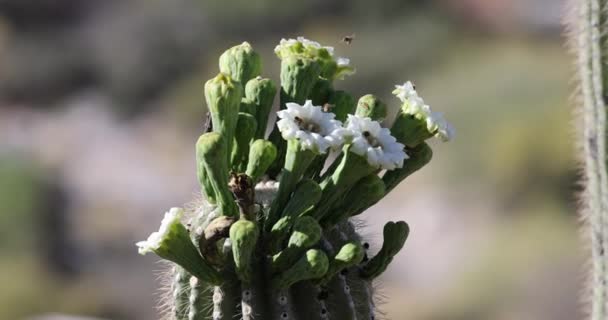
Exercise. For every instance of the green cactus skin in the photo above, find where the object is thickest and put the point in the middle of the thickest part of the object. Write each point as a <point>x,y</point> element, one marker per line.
<point>256,248</point>
<point>590,30</point>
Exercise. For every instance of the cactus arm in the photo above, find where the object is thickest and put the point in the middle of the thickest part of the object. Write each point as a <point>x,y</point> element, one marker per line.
<point>592,65</point>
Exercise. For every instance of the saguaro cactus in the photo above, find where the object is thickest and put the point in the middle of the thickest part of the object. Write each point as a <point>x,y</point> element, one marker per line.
<point>590,35</point>
<point>258,248</point>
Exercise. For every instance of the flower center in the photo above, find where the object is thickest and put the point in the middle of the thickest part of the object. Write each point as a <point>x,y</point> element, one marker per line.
<point>307,126</point>
<point>371,139</point>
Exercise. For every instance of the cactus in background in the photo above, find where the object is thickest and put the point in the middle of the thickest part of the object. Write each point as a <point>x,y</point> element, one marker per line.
<point>589,30</point>
<point>258,249</point>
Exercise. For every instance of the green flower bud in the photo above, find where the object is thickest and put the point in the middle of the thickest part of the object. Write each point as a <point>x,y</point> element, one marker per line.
<point>370,106</point>
<point>245,130</point>
<point>172,242</point>
<point>244,236</point>
<point>279,233</point>
<point>351,254</point>
<point>223,96</point>
<point>298,76</point>
<point>365,193</point>
<point>341,104</point>
<point>241,62</point>
<point>419,156</point>
<point>395,234</point>
<point>261,93</point>
<point>211,151</point>
<point>312,265</point>
<point>321,92</point>
<point>306,233</point>
<point>262,154</point>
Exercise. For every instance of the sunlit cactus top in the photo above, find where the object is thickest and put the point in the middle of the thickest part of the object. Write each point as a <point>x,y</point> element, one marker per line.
<point>327,159</point>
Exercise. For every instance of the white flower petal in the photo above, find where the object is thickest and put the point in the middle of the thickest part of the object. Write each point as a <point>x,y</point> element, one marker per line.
<point>296,120</point>
<point>385,152</point>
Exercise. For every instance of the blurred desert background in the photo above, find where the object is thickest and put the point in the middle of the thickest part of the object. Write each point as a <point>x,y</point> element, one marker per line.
<point>101,104</point>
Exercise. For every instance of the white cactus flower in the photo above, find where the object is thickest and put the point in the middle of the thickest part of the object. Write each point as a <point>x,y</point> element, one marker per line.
<point>375,143</point>
<point>413,104</point>
<point>406,91</point>
<point>316,130</point>
<point>153,242</point>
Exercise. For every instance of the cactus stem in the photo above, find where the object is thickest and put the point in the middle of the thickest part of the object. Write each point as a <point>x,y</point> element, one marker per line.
<point>592,61</point>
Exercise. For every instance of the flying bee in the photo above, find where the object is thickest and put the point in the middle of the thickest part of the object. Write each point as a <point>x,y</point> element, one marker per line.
<point>348,39</point>
<point>327,107</point>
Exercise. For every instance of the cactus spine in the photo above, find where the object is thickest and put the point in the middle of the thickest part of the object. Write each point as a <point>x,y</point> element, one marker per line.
<point>257,249</point>
<point>590,30</point>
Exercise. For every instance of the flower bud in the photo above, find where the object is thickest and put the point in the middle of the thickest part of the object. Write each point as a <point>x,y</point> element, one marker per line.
<point>244,236</point>
<point>260,92</point>
<point>223,96</point>
<point>306,233</point>
<point>245,130</point>
<point>241,62</point>
<point>312,265</point>
<point>262,154</point>
<point>298,76</point>
<point>351,254</point>
<point>369,106</point>
<point>211,153</point>
<point>395,234</point>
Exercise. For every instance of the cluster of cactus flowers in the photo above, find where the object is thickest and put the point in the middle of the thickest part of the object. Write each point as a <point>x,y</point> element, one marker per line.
<point>273,237</point>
